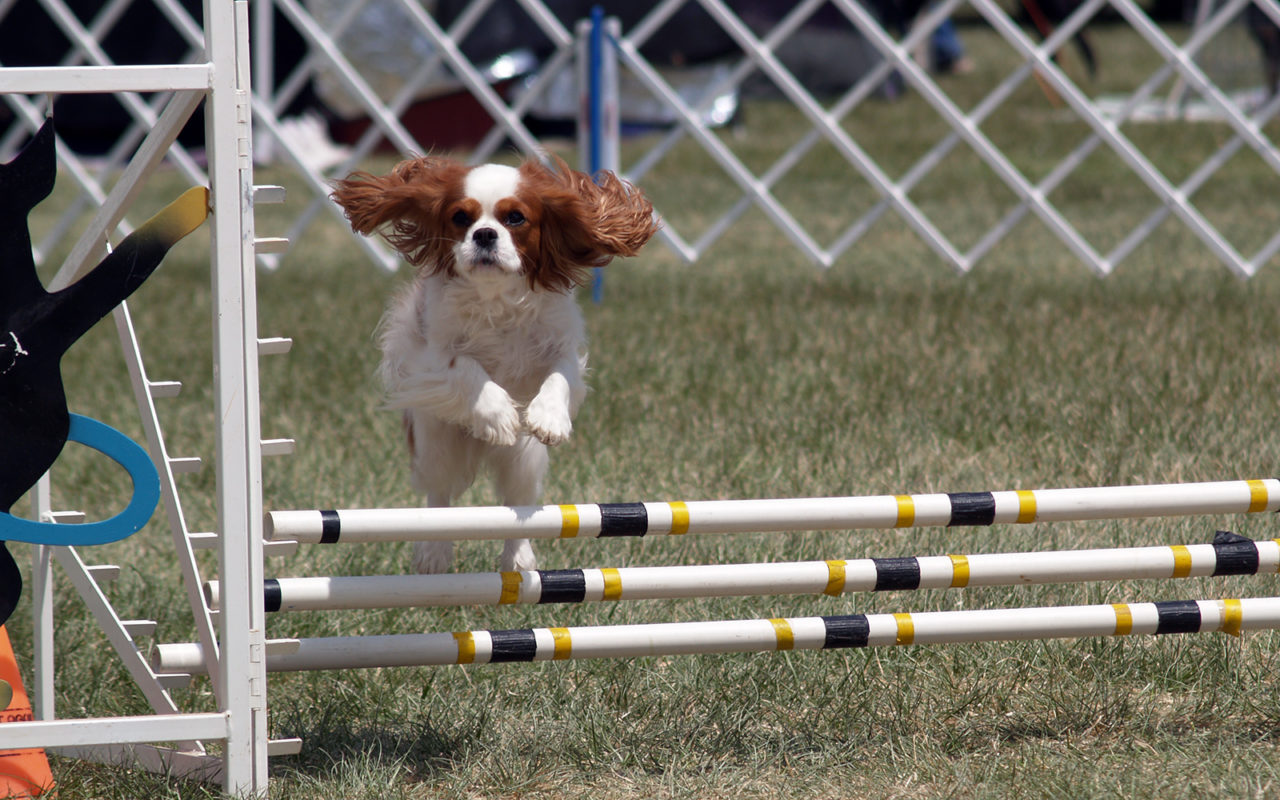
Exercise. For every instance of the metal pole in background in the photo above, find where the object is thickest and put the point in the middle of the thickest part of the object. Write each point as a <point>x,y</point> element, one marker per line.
<point>599,136</point>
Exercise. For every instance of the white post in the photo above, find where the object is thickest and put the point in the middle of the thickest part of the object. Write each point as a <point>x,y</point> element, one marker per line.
<point>242,678</point>
<point>264,67</point>
<point>611,130</point>
<point>582,75</point>
<point>42,610</point>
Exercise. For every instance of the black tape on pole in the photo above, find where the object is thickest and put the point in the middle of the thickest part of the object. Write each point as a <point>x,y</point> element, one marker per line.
<point>562,586</point>
<point>972,508</point>
<point>1236,555</point>
<point>852,630</point>
<point>517,645</point>
<point>1178,616</point>
<point>623,519</point>
<point>272,598</point>
<point>897,574</point>
<point>330,526</point>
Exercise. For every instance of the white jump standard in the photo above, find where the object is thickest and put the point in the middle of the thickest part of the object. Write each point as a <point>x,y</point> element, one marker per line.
<point>600,520</point>
<point>1232,616</point>
<point>1229,554</point>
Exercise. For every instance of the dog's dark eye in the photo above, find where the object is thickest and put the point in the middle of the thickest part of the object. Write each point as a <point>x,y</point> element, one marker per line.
<point>515,218</point>
<point>462,219</point>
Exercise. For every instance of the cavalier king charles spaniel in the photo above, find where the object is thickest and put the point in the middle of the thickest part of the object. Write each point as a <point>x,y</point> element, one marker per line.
<point>485,350</point>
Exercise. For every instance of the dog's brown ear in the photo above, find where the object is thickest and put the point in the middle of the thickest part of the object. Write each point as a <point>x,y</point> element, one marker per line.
<point>406,205</point>
<point>585,223</point>
<point>624,219</point>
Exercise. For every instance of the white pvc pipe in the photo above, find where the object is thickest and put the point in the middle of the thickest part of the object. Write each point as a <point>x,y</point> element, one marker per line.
<point>741,516</point>
<point>832,577</point>
<point>743,636</point>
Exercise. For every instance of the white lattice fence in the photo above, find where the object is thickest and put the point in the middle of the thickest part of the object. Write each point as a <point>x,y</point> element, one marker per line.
<point>972,118</point>
<point>966,128</point>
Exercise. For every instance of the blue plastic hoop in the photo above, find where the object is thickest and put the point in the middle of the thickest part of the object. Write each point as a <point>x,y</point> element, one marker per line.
<point>146,493</point>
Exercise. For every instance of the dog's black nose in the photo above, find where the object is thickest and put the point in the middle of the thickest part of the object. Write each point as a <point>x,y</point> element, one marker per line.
<point>485,237</point>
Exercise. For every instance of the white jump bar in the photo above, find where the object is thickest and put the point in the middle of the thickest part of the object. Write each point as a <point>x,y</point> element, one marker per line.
<point>1232,616</point>
<point>1228,555</point>
<point>742,516</point>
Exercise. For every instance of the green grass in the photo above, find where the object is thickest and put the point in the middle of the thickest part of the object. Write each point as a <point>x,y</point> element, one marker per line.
<point>753,374</point>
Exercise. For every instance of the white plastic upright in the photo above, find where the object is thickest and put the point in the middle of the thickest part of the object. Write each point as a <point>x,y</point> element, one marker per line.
<point>242,674</point>
<point>221,79</point>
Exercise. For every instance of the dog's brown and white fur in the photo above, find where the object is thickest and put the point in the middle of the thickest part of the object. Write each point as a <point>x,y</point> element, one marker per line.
<point>485,351</point>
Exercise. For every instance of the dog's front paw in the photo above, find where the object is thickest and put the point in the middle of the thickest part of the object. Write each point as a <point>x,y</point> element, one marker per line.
<point>432,558</point>
<point>548,420</point>
<point>494,418</point>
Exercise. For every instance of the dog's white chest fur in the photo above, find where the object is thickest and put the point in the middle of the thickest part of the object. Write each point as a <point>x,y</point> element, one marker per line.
<point>518,336</point>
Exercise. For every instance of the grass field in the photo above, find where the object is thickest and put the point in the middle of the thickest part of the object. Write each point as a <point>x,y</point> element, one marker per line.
<point>753,374</point>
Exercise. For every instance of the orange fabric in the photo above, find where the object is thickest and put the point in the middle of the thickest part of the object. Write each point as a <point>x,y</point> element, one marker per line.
<point>23,773</point>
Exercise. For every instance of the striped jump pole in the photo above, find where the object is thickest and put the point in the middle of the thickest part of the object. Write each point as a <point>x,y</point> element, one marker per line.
<point>1232,616</point>
<point>760,516</point>
<point>1229,554</point>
